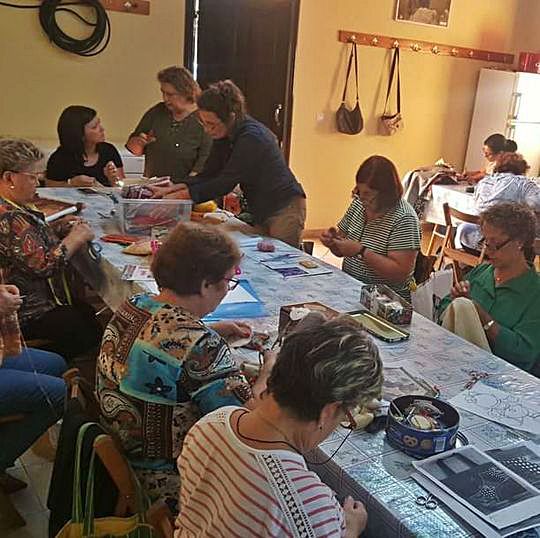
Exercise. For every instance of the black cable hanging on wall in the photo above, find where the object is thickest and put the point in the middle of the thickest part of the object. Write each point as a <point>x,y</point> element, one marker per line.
<point>89,46</point>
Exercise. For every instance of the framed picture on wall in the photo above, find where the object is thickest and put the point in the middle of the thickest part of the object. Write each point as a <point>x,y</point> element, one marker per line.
<point>428,12</point>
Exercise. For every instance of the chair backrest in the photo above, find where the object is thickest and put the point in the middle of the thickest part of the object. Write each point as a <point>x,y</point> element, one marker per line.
<point>449,251</point>
<point>80,389</point>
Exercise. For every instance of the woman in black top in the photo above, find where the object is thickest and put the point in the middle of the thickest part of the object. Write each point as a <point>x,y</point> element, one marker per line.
<point>245,153</point>
<point>83,157</point>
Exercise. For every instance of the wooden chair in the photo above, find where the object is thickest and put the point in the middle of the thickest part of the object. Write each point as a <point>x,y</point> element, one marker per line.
<point>449,251</point>
<point>9,515</point>
<point>158,515</point>
<point>436,240</point>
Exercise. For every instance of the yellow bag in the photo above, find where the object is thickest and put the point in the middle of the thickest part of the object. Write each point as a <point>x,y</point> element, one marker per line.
<point>83,524</point>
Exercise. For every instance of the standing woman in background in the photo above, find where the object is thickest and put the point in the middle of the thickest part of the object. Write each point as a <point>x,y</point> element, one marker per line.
<point>83,157</point>
<point>494,145</point>
<point>245,153</point>
<point>170,135</point>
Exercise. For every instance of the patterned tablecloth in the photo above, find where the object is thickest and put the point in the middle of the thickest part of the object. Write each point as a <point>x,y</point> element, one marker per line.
<point>366,466</point>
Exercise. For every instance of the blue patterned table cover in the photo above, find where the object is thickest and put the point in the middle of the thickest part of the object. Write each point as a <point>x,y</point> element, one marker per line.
<point>366,466</point>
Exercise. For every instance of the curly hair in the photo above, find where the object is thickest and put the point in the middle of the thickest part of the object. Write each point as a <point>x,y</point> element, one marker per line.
<point>18,155</point>
<point>517,221</point>
<point>225,100</point>
<point>182,81</point>
<point>511,162</point>
<point>192,254</point>
<point>327,362</point>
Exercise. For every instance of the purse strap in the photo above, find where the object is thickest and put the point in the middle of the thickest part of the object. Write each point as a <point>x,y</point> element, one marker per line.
<point>353,53</point>
<point>395,66</point>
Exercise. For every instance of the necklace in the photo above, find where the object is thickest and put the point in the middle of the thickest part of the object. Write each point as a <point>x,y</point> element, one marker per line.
<point>284,441</point>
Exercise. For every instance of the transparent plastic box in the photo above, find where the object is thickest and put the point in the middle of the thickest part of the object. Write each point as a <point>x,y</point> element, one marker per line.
<point>138,217</point>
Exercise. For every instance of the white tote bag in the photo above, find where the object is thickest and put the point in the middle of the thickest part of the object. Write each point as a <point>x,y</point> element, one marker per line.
<point>428,295</point>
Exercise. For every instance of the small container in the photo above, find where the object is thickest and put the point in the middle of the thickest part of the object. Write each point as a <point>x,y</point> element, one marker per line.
<point>386,303</point>
<point>422,443</point>
<point>138,217</point>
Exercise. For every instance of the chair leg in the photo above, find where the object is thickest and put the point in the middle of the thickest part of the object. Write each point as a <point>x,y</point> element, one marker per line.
<point>9,516</point>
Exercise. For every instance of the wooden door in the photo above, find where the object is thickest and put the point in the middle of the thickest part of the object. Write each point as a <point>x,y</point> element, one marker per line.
<point>253,43</point>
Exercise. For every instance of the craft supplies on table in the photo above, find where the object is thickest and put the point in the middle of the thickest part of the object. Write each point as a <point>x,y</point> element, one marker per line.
<point>482,486</point>
<point>297,267</point>
<point>422,426</point>
<point>386,303</point>
<point>291,315</point>
<point>379,327</point>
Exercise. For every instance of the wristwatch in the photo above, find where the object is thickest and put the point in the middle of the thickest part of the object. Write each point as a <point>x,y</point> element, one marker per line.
<point>488,325</point>
<point>362,250</point>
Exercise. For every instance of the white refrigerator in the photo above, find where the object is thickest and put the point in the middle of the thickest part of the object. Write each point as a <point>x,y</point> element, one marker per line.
<point>507,103</point>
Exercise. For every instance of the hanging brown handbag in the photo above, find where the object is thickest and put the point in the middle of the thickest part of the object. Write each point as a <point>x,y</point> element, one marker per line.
<point>390,124</point>
<point>350,121</point>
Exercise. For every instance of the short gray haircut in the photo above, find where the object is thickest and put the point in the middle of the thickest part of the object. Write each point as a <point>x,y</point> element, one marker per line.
<point>328,362</point>
<point>17,155</point>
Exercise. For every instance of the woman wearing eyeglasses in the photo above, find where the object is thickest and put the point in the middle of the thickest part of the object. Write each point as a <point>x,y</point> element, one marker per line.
<point>170,135</point>
<point>35,256</point>
<point>161,367</point>
<point>498,306</point>
<point>246,471</point>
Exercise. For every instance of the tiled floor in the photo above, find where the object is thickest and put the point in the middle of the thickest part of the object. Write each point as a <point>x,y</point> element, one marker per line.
<point>31,502</point>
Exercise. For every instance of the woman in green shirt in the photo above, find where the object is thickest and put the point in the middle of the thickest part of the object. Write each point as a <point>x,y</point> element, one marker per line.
<point>506,291</point>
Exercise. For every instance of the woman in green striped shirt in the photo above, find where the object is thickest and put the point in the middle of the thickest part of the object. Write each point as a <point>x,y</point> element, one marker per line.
<point>379,236</point>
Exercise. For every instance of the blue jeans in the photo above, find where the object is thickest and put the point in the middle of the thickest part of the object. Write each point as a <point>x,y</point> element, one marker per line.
<point>30,384</point>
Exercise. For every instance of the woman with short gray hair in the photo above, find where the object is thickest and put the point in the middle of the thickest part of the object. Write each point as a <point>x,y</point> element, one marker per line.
<point>244,471</point>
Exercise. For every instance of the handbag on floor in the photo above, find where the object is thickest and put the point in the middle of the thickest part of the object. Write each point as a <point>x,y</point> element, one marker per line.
<point>84,525</point>
<point>390,124</point>
<point>350,121</point>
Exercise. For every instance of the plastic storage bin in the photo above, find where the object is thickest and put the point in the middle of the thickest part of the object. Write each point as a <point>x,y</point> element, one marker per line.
<point>138,217</point>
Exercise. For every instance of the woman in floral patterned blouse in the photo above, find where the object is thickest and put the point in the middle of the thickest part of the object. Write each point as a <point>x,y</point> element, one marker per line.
<point>161,368</point>
<point>34,256</point>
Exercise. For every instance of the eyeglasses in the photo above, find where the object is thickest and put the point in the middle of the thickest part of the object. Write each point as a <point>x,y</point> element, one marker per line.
<point>232,283</point>
<point>36,176</point>
<point>495,248</point>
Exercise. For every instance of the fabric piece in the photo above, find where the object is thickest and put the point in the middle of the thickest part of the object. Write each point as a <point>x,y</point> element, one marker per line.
<point>24,381</point>
<point>461,318</point>
<point>31,259</point>
<point>505,187</point>
<point>397,229</point>
<point>515,306</point>
<point>158,370</point>
<point>251,158</point>
<point>181,147</point>
<point>10,336</point>
<point>63,164</point>
<point>231,489</point>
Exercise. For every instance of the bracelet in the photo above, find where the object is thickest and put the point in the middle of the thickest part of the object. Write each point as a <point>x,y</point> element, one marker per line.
<point>362,251</point>
<point>488,325</point>
<point>69,182</point>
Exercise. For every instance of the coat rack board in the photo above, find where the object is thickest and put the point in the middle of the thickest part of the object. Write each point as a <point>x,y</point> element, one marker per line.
<point>414,45</point>
<point>138,7</point>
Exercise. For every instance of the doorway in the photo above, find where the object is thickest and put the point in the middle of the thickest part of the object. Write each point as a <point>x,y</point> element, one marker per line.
<point>253,43</point>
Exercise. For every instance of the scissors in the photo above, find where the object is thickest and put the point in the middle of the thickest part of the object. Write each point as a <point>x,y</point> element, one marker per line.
<point>429,502</point>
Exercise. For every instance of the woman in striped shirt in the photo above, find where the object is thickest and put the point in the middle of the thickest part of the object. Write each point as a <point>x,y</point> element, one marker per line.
<point>379,236</point>
<point>244,473</point>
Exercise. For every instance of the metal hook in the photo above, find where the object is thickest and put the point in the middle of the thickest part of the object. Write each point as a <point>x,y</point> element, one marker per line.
<point>374,41</point>
<point>352,38</point>
<point>471,53</point>
<point>416,47</point>
<point>395,44</point>
<point>454,52</point>
<point>435,50</point>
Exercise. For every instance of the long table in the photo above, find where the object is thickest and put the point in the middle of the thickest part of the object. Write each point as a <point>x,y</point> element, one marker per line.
<point>366,466</point>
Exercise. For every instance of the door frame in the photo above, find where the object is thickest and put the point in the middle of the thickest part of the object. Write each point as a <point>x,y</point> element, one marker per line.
<point>189,48</point>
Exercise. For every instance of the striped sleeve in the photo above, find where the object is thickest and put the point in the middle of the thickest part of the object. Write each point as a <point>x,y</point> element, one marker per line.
<point>405,234</point>
<point>345,223</point>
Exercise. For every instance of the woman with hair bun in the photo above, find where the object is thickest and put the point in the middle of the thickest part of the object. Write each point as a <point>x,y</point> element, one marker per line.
<point>245,153</point>
<point>494,145</point>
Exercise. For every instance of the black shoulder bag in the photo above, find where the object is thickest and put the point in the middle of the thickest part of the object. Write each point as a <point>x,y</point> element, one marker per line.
<point>350,121</point>
<point>390,124</point>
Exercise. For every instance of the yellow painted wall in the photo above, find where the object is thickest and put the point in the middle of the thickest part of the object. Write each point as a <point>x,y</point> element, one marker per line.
<point>38,80</point>
<point>438,92</point>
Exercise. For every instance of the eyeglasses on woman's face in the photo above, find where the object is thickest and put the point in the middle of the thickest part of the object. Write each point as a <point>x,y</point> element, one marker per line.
<point>493,246</point>
<point>36,177</point>
<point>232,283</point>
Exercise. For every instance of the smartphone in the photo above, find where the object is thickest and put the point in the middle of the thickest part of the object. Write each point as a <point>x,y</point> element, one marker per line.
<point>379,327</point>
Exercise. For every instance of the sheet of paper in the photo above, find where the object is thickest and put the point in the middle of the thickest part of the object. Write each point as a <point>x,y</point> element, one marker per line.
<point>238,295</point>
<point>291,268</point>
<point>484,486</point>
<point>499,406</point>
<point>137,273</point>
<point>471,518</point>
